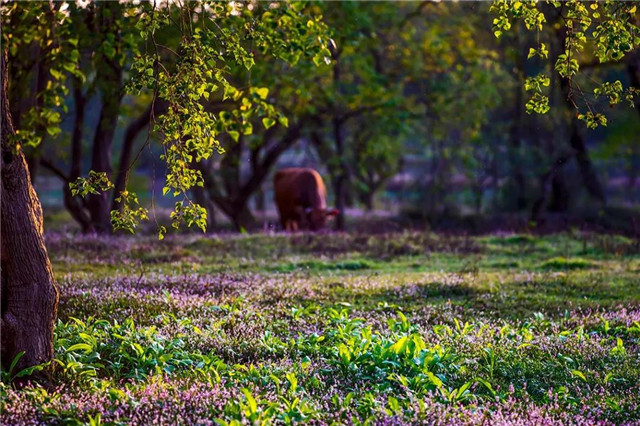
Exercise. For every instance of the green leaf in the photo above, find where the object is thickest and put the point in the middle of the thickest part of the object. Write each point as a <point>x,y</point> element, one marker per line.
<point>262,92</point>
<point>80,346</point>
<point>109,50</point>
<point>56,74</point>
<point>268,122</point>
<point>487,385</point>
<point>434,379</point>
<point>15,361</point>
<point>251,401</point>
<point>400,345</point>
<point>579,374</point>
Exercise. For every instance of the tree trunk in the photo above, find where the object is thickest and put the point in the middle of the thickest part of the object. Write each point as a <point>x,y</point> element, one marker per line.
<point>75,205</point>
<point>234,206</point>
<point>587,171</point>
<point>515,155</point>
<point>478,194</point>
<point>242,217</point>
<point>370,188</point>
<point>368,200</point>
<point>339,181</point>
<point>632,173</point>
<point>540,204</point>
<point>200,197</point>
<point>98,204</point>
<point>260,203</point>
<point>633,70</point>
<point>28,289</point>
<point>560,194</point>
<point>109,77</point>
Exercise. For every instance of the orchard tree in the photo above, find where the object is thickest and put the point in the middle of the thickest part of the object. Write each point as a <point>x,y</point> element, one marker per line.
<point>212,37</point>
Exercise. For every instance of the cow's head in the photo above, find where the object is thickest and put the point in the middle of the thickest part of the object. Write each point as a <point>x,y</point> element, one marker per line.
<point>317,218</point>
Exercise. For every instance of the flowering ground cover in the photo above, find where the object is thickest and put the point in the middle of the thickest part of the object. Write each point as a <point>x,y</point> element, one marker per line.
<point>387,329</point>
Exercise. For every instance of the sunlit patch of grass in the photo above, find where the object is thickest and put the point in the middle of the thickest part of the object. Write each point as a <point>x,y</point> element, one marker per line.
<point>313,265</point>
<point>567,263</point>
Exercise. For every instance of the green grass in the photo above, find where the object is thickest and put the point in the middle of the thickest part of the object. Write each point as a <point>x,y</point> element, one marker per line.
<point>342,328</point>
<point>561,263</point>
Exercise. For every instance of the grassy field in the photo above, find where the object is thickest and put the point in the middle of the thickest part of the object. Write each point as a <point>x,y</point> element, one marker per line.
<point>336,328</point>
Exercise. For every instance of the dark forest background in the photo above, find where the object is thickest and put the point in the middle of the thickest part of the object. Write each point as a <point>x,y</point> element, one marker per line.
<point>419,120</point>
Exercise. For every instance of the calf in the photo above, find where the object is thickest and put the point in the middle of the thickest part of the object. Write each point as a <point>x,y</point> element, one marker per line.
<point>301,199</point>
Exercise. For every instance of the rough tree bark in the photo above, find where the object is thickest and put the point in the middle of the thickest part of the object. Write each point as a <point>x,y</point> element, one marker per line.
<point>28,289</point>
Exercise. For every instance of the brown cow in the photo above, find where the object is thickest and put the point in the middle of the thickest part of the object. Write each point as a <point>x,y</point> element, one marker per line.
<point>301,199</point>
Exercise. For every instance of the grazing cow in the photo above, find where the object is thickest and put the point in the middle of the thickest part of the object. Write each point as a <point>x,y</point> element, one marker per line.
<point>301,199</point>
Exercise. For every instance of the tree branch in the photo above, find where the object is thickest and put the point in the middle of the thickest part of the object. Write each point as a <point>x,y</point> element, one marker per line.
<point>54,169</point>
<point>292,135</point>
<point>133,130</point>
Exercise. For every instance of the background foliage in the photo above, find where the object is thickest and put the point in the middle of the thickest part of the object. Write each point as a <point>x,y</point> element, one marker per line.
<point>423,107</point>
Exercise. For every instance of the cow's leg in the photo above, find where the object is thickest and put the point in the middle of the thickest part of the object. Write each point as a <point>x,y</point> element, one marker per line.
<point>294,225</point>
